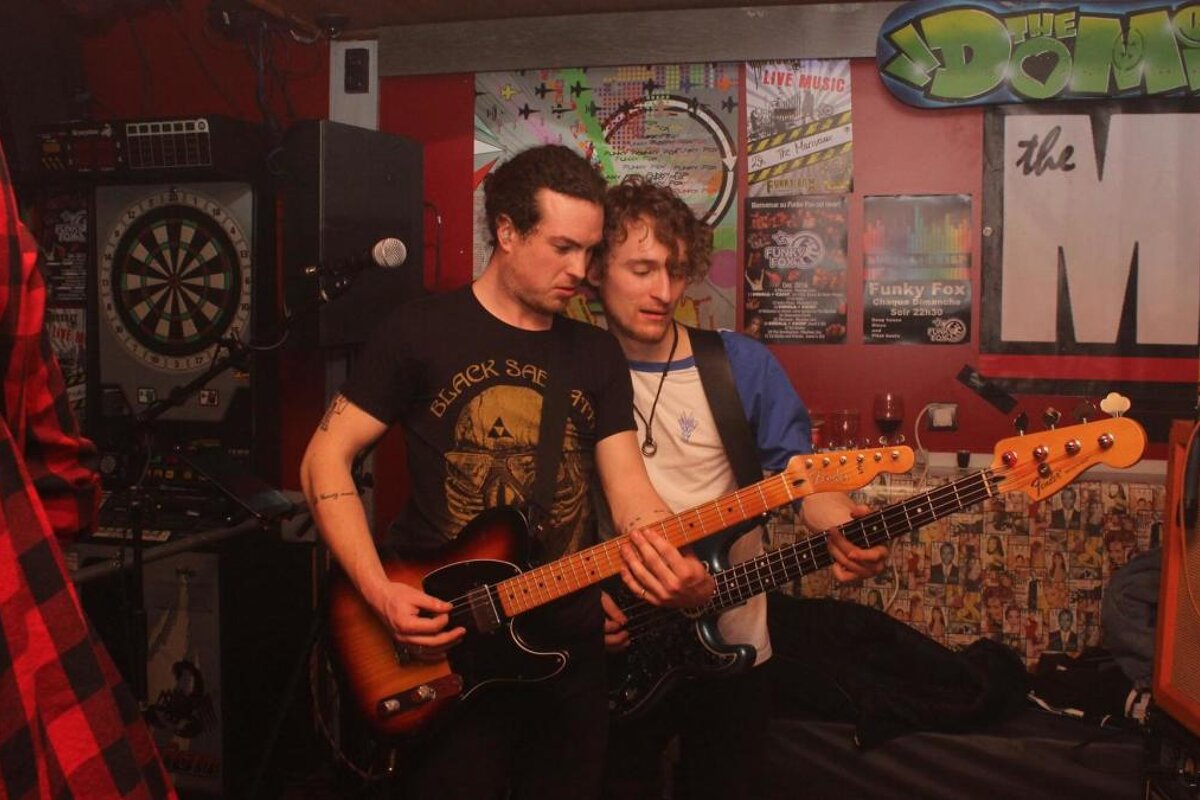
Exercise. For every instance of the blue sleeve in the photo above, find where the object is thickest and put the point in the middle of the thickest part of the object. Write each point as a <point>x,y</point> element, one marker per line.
<point>777,416</point>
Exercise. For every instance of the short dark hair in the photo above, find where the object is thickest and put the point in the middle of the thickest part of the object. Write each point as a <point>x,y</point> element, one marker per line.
<point>673,222</point>
<point>512,189</point>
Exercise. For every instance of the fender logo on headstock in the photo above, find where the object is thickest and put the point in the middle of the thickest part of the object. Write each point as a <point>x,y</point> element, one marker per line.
<point>1050,482</point>
<point>841,476</point>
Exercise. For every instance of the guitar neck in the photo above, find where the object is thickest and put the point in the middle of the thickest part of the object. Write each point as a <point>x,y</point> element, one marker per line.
<point>772,569</point>
<point>542,585</point>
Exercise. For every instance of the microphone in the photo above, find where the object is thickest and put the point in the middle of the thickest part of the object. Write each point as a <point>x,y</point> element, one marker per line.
<point>333,281</point>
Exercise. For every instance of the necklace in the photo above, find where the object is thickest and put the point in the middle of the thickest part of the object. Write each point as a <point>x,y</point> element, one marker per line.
<point>649,447</point>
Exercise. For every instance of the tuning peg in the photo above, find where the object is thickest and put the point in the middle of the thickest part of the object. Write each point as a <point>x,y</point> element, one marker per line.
<point>1051,416</point>
<point>1115,404</point>
<point>1021,423</point>
<point>1086,411</point>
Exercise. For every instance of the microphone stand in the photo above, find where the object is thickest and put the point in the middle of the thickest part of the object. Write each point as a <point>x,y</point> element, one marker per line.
<point>237,355</point>
<point>139,498</point>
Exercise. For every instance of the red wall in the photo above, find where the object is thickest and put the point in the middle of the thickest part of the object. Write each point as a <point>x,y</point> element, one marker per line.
<point>897,150</point>
<point>901,150</point>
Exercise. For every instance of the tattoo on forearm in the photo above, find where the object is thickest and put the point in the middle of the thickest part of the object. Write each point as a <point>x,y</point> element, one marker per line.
<point>334,496</point>
<point>336,407</point>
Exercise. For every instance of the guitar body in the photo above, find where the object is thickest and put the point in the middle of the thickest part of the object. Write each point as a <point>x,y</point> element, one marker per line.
<point>676,647</point>
<point>398,694</point>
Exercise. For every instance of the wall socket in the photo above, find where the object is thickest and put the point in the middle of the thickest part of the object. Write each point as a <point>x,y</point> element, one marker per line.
<point>943,416</point>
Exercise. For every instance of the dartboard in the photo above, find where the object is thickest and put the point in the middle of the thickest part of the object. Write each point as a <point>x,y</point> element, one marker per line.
<point>175,278</point>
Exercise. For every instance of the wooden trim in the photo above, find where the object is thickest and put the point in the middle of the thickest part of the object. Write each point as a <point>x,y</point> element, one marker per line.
<point>757,33</point>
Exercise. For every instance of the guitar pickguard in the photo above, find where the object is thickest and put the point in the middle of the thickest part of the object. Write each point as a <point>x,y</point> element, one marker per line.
<point>496,653</point>
<point>674,647</point>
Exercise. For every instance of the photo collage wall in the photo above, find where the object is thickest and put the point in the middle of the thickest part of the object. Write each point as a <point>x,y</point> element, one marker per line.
<point>1028,574</point>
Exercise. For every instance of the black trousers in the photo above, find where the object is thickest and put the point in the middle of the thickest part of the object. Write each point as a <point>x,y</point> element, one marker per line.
<point>721,725</point>
<point>536,741</point>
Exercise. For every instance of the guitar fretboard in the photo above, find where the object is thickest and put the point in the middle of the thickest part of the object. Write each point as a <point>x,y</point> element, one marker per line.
<point>774,568</point>
<point>542,585</point>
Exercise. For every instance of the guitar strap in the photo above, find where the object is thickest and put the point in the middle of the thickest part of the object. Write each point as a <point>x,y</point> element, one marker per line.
<point>712,362</point>
<point>551,429</point>
<point>717,379</point>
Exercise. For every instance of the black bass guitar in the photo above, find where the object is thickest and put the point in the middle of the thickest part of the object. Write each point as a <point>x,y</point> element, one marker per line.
<point>667,644</point>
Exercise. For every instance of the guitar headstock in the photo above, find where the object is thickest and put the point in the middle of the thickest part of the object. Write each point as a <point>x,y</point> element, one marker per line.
<point>843,470</point>
<point>1040,464</point>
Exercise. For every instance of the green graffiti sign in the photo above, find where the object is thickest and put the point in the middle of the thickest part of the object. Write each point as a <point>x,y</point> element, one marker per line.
<point>937,54</point>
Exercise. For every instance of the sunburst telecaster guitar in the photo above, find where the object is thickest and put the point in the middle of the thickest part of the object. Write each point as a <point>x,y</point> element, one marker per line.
<point>667,644</point>
<point>480,574</point>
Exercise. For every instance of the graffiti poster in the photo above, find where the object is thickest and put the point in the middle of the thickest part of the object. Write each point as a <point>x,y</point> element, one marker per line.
<point>795,277</point>
<point>674,124</point>
<point>934,54</point>
<point>917,269</point>
<point>799,136</point>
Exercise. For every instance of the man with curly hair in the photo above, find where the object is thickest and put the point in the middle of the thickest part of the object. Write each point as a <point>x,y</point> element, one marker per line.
<point>653,248</point>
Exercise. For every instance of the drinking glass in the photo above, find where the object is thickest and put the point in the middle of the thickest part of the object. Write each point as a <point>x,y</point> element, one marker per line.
<point>888,410</point>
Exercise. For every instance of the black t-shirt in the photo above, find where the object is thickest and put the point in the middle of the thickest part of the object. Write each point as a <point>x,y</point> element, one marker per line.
<point>467,388</point>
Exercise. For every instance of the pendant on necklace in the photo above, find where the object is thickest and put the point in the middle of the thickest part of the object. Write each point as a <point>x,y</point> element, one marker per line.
<point>649,448</point>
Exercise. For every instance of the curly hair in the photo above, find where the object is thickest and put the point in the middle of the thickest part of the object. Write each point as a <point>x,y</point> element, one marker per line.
<point>673,222</point>
<point>512,189</point>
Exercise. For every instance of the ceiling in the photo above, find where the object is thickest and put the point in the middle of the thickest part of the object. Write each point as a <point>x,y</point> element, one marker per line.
<point>365,15</point>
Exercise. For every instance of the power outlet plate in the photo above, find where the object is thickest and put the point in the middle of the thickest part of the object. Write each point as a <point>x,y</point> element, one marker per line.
<point>943,416</point>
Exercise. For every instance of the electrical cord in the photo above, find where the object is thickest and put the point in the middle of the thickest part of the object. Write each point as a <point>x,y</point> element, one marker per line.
<point>174,16</point>
<point>1181,519</point>
<point>922,455</point>
<point>437,263</point>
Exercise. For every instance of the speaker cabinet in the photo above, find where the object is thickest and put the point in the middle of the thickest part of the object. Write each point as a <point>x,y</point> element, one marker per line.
<point>226,628</point>
<point>343,189</point>
<point>1177,658</point>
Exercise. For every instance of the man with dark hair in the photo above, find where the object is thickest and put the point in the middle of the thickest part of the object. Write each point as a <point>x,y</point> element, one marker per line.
<point>1066,516</point>
<point>69,726</point>
<point>947,570</point>
<point>1064,640</point>
<point>465,374</point>
<point>653,248</point>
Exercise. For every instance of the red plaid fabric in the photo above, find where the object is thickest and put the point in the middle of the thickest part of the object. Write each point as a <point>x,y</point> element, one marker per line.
<point>69,726</point>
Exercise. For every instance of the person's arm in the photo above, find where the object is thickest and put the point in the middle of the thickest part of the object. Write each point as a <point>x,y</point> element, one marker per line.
<point>828,511</point>
<point>782,429</point>
<point>652,567</point>
<point>325,476</point>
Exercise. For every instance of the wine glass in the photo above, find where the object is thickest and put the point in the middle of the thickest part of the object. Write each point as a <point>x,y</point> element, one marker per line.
<point>817,430</point>
<point>843,428</point>
<point>888,409</point>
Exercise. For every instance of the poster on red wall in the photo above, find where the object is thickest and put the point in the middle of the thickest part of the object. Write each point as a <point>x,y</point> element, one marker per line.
<point>795,276</point>
<point>917,269</point>
<point>799,137</point>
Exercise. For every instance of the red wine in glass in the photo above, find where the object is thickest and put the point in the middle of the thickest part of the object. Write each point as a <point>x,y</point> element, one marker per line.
<point>888,409</point>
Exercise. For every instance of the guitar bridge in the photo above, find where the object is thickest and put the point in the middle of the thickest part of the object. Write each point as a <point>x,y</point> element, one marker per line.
<point>440,689</point>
